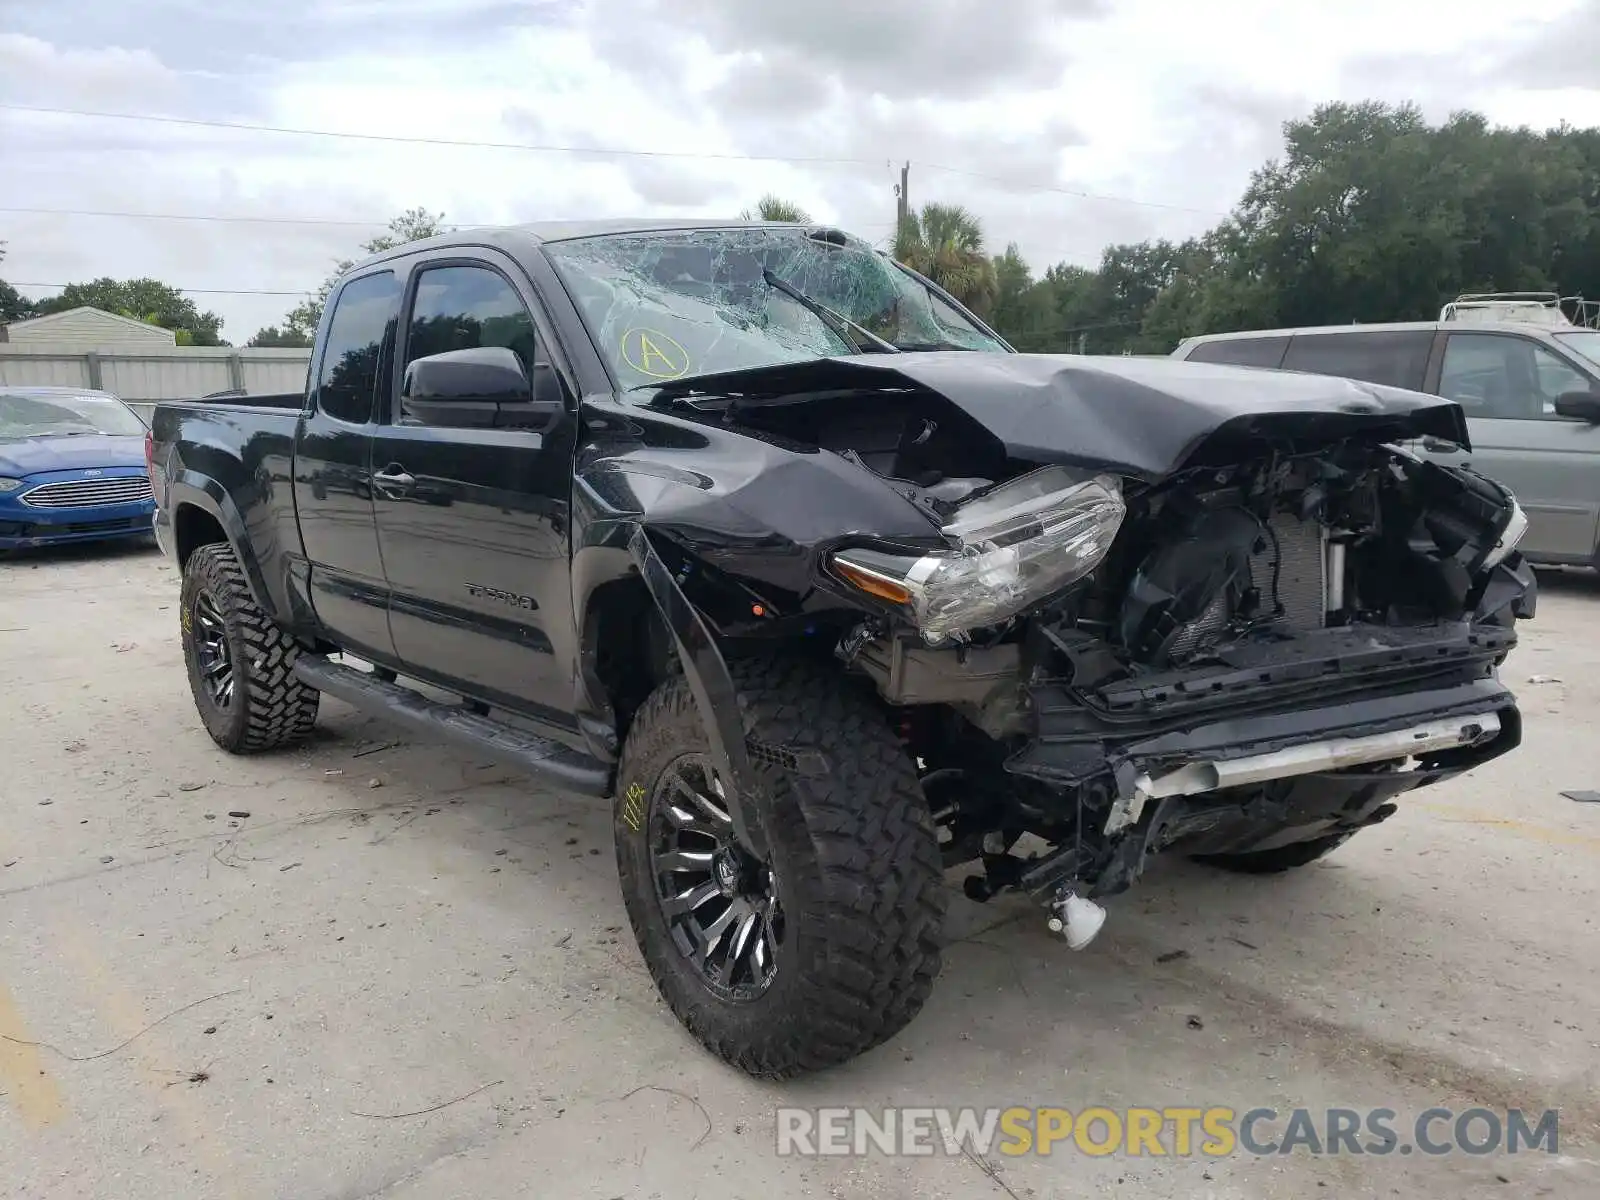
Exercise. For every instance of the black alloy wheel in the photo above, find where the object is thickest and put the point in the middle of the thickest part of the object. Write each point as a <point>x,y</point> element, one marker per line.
<point>720,903</point>
<point>211,649</point>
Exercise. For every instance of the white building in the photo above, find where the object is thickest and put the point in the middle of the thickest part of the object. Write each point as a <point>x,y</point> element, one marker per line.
<point>91,348</point>
<point>86,329</point>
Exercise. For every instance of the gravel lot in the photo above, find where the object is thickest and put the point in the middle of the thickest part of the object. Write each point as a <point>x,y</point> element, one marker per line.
<point>395,926</point>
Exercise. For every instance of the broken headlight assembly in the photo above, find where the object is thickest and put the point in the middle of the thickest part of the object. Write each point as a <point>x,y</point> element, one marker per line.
<point>1011,547</point>
<point>1516,526</point>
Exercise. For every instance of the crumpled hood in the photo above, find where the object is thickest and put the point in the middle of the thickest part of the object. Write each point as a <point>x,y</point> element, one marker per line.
<point>32,456</point>
<point>1145,417</point>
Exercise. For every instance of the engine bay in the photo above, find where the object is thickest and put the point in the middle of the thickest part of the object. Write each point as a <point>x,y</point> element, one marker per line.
<point>1349,535</point>
<point>1299,538</point>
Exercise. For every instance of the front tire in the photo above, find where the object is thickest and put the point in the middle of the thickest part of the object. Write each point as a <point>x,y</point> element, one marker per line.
<point>829,948</point>
<point>241,665</point>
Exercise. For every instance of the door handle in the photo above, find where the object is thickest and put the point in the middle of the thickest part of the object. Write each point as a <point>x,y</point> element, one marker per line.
<point>394,477</point>
<point>1439,445</point>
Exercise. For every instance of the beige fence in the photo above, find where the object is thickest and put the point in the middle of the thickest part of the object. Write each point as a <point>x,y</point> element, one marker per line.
<point>142,377</point>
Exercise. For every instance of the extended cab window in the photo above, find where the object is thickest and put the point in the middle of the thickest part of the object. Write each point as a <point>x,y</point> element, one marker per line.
<point>1241,352</point>
<point>361,316</point>
<point>1394,358</point>
<point>1503,377</point>
<point>462,308</point>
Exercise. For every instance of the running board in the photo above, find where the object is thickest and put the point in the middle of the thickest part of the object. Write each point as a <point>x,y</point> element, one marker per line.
<point>545,759</point>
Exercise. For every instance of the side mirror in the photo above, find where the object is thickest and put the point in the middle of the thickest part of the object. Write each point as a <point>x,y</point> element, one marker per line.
<point>481,388</point>
<point>1585,406</point>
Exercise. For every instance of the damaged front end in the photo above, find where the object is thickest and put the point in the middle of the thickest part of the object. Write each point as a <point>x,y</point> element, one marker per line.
<point>1113,607</point>
<point>1228,662</point>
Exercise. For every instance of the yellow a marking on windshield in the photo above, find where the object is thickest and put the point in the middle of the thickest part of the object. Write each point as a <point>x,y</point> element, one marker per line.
<point>653,353</point>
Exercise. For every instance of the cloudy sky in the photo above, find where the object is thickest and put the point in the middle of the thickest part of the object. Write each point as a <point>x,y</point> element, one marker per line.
<point>1065,124</point>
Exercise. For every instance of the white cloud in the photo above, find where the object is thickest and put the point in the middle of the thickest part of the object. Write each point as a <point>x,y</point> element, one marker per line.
<point>1172,104</point>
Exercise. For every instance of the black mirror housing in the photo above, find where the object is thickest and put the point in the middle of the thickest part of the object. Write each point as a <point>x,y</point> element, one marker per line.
<point>1585,406</point>
<point>484,387</point>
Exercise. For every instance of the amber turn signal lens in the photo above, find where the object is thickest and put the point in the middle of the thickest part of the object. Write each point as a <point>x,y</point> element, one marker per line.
<point>872,583</point>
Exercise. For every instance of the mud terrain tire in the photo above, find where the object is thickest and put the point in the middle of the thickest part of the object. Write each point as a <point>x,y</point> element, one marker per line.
<point>267,706</point>
<point>859,892</point>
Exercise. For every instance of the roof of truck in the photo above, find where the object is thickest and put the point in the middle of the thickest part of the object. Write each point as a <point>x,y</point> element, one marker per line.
<point>563,231</point>
<point>544,232</point>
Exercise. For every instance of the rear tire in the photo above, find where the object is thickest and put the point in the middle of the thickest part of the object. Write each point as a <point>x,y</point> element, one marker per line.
<point>843,948</point>
<point>241,665</point>
<point>1276,861</point>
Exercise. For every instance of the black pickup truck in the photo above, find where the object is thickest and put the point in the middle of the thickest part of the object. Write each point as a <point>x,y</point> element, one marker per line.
<point>770,541</point>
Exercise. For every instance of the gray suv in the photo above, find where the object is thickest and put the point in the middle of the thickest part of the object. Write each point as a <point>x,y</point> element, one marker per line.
<point>1528,379</point>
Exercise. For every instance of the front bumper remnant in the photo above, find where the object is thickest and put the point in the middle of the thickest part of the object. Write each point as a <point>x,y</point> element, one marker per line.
<point>1329,754</point>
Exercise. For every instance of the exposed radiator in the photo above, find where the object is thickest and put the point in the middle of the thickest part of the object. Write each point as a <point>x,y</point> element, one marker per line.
<point>1302,575</point>
<point>1302,583</point>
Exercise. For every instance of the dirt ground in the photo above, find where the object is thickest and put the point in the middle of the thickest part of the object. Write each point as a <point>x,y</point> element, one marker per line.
<point>370,968</point>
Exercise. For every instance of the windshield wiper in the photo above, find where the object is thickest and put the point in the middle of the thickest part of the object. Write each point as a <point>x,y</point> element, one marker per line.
<point>839,323</point>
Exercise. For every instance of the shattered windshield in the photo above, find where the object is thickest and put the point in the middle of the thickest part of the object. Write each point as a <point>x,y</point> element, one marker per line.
<point>679,303</point>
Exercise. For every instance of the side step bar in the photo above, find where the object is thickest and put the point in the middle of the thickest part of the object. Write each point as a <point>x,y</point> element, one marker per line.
<point>547,760</point>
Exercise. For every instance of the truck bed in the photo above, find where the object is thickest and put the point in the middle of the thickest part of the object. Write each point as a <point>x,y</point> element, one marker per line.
<point>234,459</point>
<point>233,399</point>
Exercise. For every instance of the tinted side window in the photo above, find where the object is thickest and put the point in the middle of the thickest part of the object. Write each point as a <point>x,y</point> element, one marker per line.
<point>1397,359</point>
<point>362,314</point>
<point>462,308</point>
<point>1241,352</point>
<point>1505,378</point>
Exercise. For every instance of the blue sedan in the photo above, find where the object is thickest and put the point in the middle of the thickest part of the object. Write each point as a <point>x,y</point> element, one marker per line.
<point>72,468</point>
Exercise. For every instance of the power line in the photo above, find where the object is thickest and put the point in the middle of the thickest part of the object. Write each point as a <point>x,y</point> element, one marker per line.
<point>193,291</point>
<point>146,216</point>
<point>412,139</point>
<point>249,220</point>
<point>604,151</point>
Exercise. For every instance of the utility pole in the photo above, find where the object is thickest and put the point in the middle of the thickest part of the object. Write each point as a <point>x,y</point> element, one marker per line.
<point>903,194</point>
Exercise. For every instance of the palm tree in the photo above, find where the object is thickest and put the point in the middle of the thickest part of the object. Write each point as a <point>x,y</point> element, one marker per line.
<point>945,243</point>
<point>776,208</point>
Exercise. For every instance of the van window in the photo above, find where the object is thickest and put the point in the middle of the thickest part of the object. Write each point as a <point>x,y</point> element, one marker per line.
<point>1241,352</point>
<point>1394,358</point>
<point>1505,377</point>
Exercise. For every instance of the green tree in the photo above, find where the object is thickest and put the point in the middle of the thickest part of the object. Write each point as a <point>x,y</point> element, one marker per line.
<point>1371,214</point>
<point>410,226</point>
<point>272,336</point>
<point>147,300</point>
<point>945,243</point>
<point>14,306</point>
<point>776,208</point>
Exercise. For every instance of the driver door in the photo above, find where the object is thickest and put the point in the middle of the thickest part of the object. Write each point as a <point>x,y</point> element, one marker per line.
<point>472,521</point>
